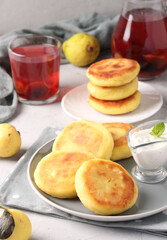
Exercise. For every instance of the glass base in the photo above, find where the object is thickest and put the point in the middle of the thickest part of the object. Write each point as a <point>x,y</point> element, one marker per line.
<point>146,78</point>
<point>39,102</point>
<point>149,176</point>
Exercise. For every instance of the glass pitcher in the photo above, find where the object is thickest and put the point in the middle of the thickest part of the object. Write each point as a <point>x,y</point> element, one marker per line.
<point>141,34</point>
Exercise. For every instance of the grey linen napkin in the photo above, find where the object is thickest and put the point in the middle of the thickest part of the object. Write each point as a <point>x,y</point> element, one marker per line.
<point>16,191</point>
<point>8,97</point>
<point>93,23</point>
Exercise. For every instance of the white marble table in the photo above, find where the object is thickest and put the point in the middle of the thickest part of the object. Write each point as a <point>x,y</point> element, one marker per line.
<point>30,121</point>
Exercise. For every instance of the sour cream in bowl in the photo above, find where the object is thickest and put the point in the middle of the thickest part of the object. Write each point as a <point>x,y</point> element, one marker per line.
<point>148,144</point>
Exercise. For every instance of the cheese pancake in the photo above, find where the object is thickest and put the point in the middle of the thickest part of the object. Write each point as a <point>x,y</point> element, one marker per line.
<point>113,93</point>
<point>55,173</point>
<point>105,187</point>
<point>113,72</point>
<point>85,136</point>
<point>115,107</point>
<point>119,130</point>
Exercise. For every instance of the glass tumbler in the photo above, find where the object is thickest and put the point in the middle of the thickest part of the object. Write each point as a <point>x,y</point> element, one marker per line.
<point>141,34</point>
<point>35,62</point>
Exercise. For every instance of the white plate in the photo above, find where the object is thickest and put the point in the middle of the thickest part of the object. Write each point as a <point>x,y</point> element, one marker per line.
<point>75,104</point>
<point>151,198</point>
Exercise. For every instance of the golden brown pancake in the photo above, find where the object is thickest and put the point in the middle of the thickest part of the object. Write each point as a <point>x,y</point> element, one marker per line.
<point>116,107</point>
<point>119,130</point>
<point>113,72</point>
<point>113,93</point>
<point>85,136</point>
<point>105,187</point>
<point>55,173</point>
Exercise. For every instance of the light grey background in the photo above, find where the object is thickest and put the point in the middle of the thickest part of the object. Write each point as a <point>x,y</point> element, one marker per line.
<point>17,14</point>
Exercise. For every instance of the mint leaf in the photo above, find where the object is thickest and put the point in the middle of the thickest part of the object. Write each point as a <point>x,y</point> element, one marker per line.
<point>158,129</point>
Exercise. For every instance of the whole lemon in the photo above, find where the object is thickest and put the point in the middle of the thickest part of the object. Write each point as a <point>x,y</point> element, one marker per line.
<point>10,140</point>
<point>15,225</point>
<point>81,49</point>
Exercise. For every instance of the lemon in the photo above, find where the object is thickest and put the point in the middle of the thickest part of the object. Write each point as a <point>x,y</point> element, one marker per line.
<point>81,49</point>
<point>10,140</point>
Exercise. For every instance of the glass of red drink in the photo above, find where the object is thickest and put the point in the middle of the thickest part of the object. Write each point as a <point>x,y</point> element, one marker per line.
<point>141,34</point>
<point>35,62</point>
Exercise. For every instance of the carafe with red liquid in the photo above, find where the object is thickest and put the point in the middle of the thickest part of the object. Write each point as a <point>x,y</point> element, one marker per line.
<point>141,34</point>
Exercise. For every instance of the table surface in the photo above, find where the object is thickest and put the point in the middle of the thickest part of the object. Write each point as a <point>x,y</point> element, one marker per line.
<point>30,121</point>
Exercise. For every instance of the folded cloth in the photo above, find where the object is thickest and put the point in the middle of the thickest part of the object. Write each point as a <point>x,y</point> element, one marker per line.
<point>8,107</point>
<point>93,23</point>
<point>16,192</point>
<point>8,97</point>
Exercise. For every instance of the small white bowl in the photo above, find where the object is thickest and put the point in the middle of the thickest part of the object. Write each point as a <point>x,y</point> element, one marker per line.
<point>149,152</point>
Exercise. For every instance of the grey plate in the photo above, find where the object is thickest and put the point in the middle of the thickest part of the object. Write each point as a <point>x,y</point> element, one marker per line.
<point>151,199</point>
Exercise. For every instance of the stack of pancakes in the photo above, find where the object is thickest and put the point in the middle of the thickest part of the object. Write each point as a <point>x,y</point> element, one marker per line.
<point>113,86</point>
